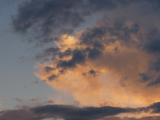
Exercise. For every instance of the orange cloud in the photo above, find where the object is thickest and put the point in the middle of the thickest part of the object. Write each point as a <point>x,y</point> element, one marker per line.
<point>110,78</point>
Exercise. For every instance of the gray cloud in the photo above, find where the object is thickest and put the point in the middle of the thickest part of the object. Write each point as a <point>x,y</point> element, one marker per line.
<point>52,77</point>
<point>55,17</point>
<point>155,82</point>
<point>78,57</point>
<point>45,17</point>
<point>153,46</point>
<point>145,77</point>
<point>66,112</point>
<point>92,72</point>
<point>48,69</point>
<point>75,113</point>
<point>70,112</point>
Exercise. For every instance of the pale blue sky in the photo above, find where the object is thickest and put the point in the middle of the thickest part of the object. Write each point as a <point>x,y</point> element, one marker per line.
<point>16,74</point>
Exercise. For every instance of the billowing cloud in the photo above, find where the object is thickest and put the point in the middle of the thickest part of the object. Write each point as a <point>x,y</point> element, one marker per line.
<point>100,60</point>
<point>105,52</point>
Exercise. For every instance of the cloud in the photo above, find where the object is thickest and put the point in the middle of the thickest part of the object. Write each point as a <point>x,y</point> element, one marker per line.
<point>119,61</point>
<point>44,17</point>
<point>153,46</point>
<point>70,112</point>
<point>104,53</point>
<point>66,112</point>
<point>54,17</point>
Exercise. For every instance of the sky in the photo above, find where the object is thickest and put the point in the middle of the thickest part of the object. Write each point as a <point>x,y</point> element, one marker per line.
<point>80,60</point>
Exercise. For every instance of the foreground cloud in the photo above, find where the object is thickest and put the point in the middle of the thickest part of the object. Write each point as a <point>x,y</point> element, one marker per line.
<point>105,52</point>
<point>69,112</point>
<point>60,111</point>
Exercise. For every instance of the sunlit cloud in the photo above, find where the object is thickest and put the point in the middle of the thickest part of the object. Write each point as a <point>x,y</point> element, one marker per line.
<point>93,72</point>
<point>111,60</point>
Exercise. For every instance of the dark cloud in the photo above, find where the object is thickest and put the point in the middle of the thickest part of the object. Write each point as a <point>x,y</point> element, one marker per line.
<point>98,45</point>
<point>74,113</point>
<point>66,64</point>
<point>93,53</point>
<point>155,82</point>
<point>66,53</point>
<point>78,57</point>
<point>156,107</point>
<point>70,112</point>
<point>123,32</point>
<point>94,36</point>
<point>145,77</point>
<point>47,16</point>
<point>52,77</point>
<point>92,72</point>
<point>153,46</point>
<point>66,112</point>
<point>48,69</point>
<point>56,17</point>
<point>50,18</point>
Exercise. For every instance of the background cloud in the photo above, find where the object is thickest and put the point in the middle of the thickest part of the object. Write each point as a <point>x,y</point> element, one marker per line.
<point>60,111</point>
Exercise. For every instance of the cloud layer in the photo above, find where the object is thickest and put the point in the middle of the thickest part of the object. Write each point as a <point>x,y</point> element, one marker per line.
<point>70,112</point>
